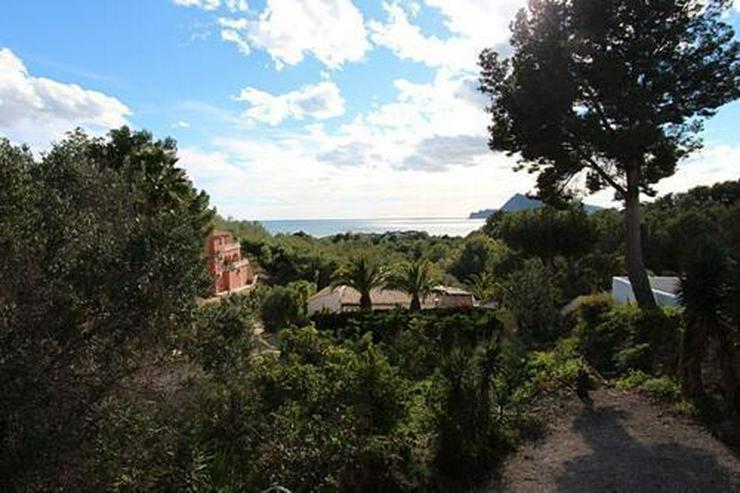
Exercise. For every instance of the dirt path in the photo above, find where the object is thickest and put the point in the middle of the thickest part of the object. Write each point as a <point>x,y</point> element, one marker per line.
<point>623,443</point>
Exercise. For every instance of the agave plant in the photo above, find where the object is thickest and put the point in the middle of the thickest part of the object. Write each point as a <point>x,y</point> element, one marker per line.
<point>414,278</point>
<point>363,273</point>
<point>704,293</point>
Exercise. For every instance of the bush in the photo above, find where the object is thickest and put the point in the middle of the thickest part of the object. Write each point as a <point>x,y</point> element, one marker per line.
<point>662,389</point>
<point>558,368</point>
<point>533,299</point>
<point>448,325</point>
<point>221,337</point>
<point>282,307</point>
<point>479,254</point>
<point>475,406</point>
<point>320,417</point>
<point>617,339</point>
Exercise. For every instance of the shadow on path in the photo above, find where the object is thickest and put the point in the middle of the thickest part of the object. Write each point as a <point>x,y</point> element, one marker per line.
<point>620,462</point>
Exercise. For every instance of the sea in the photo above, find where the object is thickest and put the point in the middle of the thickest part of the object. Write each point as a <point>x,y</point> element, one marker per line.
<point>435,226</point>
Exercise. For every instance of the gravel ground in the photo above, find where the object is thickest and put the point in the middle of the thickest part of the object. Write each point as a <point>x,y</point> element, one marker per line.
<point>621,442</point>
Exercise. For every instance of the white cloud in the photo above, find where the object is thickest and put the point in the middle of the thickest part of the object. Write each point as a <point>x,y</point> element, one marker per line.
<point>710,165</point>
<point>35,110</point>
<point>439,153</point>
<point>473,26</point>
<point>230,33</point>
<point>408,42</point>
<point>423,153</point>
<point>332,30</point>
<point>319,101</point>
<point>237,5</point>
<point>181,124</point>
<point>349,154</point>
<point>428,127</point>
<point>202,4</point>
<point>281,178</point>
<point>211,5</point>
<point>484,20</point>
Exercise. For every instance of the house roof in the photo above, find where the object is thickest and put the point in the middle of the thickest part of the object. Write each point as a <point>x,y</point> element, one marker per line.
<point>348,296</point>
<point>220,232</point>
<point>451,291</point>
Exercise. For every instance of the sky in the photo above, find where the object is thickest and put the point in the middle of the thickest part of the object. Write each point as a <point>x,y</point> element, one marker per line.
<point>292,109</point>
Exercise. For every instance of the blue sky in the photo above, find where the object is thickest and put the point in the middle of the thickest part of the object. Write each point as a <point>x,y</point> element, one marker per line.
<point>291,108</point>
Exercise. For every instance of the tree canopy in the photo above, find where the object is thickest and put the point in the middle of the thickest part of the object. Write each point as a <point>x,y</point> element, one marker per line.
<point>610,94</point>
<point>102,243</point>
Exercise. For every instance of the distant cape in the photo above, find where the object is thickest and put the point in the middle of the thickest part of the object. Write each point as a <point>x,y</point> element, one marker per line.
<point>520,202</point>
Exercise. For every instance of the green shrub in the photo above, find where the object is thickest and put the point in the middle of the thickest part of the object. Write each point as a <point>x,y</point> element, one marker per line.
<point>533,298</point>
<point>282,307</point>
<point>328,417</point>
<point>621,338</point>
<point>447,326</point>
<point>220,340</point>
<point>593,308</point>
<point>557,368</point>
<point>662,389</point>
<point>475,404</point>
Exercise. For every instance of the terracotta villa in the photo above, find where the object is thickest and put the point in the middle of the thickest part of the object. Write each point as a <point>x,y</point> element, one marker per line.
<point>230,271</point>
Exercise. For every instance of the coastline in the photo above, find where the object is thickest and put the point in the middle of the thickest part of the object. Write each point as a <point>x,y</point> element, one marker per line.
<point>457,226</point>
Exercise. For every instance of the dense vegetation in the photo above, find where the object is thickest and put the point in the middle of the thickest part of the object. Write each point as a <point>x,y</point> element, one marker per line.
<point>113,376</point>
<point>120,371</point>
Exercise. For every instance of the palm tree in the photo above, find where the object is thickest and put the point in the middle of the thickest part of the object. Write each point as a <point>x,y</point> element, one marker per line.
<point>414,278</point>
<point>363,273</point>
<point>704,293</point>
<point>482,286</point>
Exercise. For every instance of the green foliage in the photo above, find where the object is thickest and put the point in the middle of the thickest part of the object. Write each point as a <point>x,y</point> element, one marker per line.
<point>581,251</point>
<point>470,431</point>
<point>533,299</point>
<point>479,254</point>
<point>303,290</point>
<point>581,93</point>
<point>285,258</point>
<point>445,328</point>
<point>321,416</point>
<point>465,379</point>
<point>483,287</point>
<point>558,368</point>
<point>709,291</point>
<point>141,444</point>
<point>548,233</point>
<point>413,278</point>
<point>221,337</point>
<point>102,244</point>
<point>364,273</point>
<point>282,307</point>
<point>662,389</point>
<point>114,379</point>
<point>616,339</point>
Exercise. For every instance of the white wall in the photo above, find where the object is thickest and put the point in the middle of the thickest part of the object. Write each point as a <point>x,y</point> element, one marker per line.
<point>623,295</point>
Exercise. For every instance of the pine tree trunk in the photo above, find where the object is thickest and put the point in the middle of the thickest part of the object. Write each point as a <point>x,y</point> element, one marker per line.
<point>635,265</point>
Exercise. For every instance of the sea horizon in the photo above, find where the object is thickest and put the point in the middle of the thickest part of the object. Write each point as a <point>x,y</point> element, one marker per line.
<point>434,226</point>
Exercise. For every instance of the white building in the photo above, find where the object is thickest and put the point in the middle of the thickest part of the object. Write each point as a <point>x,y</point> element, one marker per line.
<point>665,290</point>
